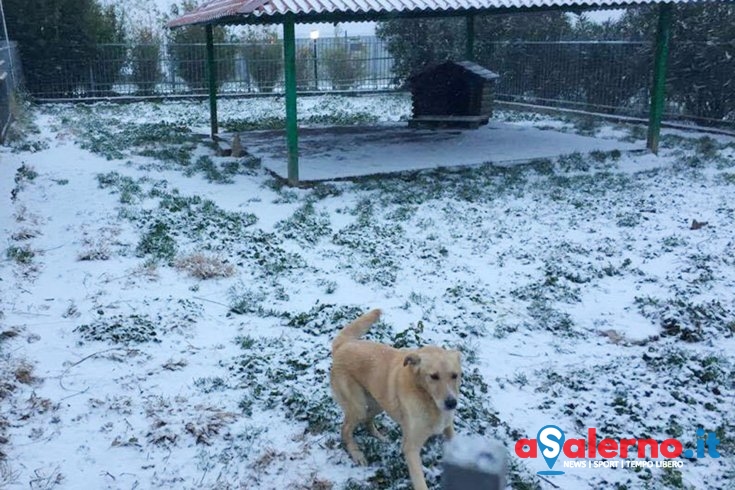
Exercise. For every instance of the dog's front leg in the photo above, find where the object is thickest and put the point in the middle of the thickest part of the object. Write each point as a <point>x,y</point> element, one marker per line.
<point>449,431</point>
<point>412,453</point>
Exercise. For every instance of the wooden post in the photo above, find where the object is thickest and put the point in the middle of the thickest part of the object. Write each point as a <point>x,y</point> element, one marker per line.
<point>292,135</point>
<point>474,463</point>
<point>212,78</point>
<point>663,33</point>
<point>469,50</point>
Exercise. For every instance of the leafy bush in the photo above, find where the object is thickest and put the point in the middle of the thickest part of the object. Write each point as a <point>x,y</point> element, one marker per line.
<point>264,56</point>
<point>187,48</point>
<point>145,58</point>
<point>50,34</point>
<point>345,63</point>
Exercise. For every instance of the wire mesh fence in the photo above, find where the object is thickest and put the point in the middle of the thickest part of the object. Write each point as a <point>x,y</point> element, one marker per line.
<point>151,69</point>
<point>601,76</point>
<point>10,76</point>
<point>615,77</point>
<point>597,76</point>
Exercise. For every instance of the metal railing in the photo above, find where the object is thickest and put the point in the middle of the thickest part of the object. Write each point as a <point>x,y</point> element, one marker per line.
<point>596,76</point>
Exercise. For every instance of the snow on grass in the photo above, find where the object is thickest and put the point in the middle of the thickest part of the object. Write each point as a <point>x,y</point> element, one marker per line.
<point>167,313</point>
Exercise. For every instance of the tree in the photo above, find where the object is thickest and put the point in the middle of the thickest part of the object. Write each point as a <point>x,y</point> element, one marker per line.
<point>146,61</point>
<point>415,44</point>
<point>701,69</point>
<point>264,57</point>
<point>187,48</point>
<point>57,41</point>
<point>345,62</point>
<point>111,50</point>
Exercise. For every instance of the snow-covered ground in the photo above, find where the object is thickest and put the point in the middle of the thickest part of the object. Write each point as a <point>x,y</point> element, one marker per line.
<point>166,314</point>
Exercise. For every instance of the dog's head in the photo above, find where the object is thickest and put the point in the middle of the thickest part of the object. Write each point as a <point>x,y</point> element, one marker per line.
<point>439,372</point>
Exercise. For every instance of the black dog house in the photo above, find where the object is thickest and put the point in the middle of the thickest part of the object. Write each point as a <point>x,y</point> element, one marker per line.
<point>452,94</point>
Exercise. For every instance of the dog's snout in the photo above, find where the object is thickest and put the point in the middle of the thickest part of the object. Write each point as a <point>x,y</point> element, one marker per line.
<point>450,403</point>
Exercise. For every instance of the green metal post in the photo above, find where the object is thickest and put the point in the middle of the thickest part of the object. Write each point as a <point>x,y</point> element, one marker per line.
<point>212,78</point>
<point>469,50</point>
<point>292,135</point>
<point>663,33</point>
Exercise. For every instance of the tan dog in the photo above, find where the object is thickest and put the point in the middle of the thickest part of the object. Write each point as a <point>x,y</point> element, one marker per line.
<point>418,388</point>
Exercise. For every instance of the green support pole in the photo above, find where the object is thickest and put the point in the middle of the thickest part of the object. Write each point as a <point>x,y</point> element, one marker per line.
<point>212,78</point>
<point>292,135</point>
<point>469,49</point>
<point>663,33</point>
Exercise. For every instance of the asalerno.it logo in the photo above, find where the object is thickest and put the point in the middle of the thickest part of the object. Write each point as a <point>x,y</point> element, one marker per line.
<point>551,443</point>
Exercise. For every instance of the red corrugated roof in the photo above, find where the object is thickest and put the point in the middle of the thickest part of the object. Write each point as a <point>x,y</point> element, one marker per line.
<point>243,11</point>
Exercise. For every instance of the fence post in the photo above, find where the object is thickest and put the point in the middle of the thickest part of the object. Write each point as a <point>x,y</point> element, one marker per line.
<point>474,463</point>
<point>212,72</point>
<point>5,114</point>
<point>92,85</point>
<point>659,76</point>
<point>289,63</point>
<point>469,50</point>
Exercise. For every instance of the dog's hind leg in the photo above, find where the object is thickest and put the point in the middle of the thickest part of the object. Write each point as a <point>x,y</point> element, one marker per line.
<point>353,400</point>
<point>373,410</point>
<point>348,428</point>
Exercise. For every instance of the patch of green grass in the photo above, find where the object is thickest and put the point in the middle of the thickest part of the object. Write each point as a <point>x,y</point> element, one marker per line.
<point>542,166</point>
<point>586,125</point>
<point>116,139</point>
<point>550,319</point>
<point>519,478</point>
<point>636,133</point>
<point>21,255</point>
<point>687,320</point>
<point>129,189</point>
<point>306,226</point>
<point>239,125</point>
<point>336,117</point>
<point>176,155</point>
<point>210,384</point>
<point>186,217</point>
<point>375,244</point>
<point>707,147</point>
<point>263,252</point>
<point>25,173</point>
<point>158,242</point>
<point>277,373</point>
<point>244,300</point>
<point>324,190</point>
<point>171,315</point>
<point>671,242</point>
<point>222,172</point>
<point>324,319</point>
<point>574,162</point>
<point>121,329</point>
<point>672,478</point>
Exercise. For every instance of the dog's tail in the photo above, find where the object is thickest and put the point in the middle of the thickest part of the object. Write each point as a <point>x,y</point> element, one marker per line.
<point>356,329</point>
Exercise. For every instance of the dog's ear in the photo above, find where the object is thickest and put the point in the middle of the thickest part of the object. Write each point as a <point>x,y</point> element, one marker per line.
<point>457,356</point>
<point>412,360</point>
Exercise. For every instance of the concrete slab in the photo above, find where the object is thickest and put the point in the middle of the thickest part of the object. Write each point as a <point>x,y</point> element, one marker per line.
<point>343,152</point>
